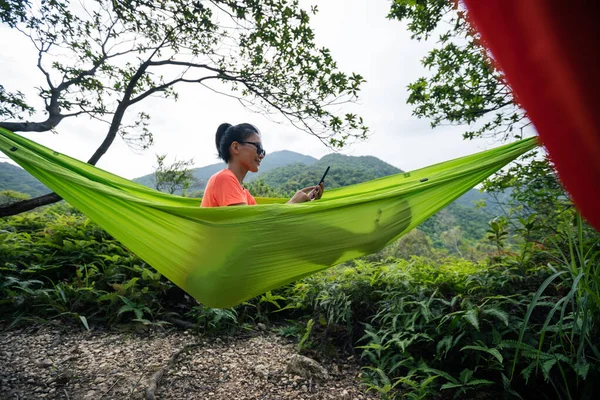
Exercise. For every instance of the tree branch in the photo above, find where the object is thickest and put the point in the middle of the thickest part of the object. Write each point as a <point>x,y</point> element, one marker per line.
<point>123,104</point>
<point>53,108</point>
<point>185,64</point>
<point>28,205</point>
<point>167,85</point>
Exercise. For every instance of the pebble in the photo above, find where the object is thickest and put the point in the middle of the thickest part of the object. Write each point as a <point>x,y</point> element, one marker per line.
<point>239,368</point>
<point>90,395</point>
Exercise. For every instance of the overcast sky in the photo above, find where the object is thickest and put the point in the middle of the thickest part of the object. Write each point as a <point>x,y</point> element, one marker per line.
<point>361,40</point>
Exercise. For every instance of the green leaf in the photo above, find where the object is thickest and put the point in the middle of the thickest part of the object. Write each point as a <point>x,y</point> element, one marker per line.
<point>582,369</point>
<point>84,322</point>
<point>493,352</point>
<point>495,312</point>
<point>472,318</point>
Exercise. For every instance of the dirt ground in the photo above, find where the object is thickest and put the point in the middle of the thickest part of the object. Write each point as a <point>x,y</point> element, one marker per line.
<point>47,363</point>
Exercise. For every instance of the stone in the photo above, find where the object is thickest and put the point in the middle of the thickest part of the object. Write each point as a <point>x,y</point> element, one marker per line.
<point>261,371</point>
<point>46,362</point>
<point>90,395</point>
<point>306,368</point>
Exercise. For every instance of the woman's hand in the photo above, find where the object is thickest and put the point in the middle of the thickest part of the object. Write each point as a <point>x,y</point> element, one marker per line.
<point>307,194</point>
<point>318,191</point>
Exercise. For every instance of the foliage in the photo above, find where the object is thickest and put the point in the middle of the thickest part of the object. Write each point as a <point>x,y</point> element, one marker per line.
<point>414,243</point>
<point>464,86</point>
<point>16,179</point>
<point>174,177</point>
<point>11,196</point>
<point>56,263</point>
<point>259,188</point>
<point>516,323</point>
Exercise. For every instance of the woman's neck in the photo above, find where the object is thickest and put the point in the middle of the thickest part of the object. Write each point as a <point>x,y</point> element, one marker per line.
<point>238,170</point>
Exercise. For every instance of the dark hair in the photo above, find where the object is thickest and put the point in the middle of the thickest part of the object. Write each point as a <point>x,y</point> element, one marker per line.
<point>227,134</point>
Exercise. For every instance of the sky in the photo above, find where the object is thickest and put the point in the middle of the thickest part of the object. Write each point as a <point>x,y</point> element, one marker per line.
<point>361,40</point>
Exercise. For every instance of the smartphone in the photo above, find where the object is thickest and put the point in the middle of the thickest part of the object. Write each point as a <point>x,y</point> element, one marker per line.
<point>324,175</point>
<point>322,179</point>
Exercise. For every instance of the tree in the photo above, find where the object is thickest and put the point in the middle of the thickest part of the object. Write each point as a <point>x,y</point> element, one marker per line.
<point>464,87</point>
<point>173,177</point>
<point>259,188</point>
<point>414,243</point>
<point>99,58</point>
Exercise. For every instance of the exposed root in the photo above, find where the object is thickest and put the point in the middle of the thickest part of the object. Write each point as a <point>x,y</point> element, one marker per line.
<point>153,383</point>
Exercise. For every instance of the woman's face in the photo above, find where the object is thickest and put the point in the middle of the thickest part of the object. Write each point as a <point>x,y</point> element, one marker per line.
<point>250,152</point>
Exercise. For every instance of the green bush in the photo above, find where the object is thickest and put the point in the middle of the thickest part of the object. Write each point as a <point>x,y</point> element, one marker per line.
<point>518,323</point>
<point>56,263</point>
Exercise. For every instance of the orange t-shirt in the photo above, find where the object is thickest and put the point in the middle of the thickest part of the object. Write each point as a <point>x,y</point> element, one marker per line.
<point>224,189</point>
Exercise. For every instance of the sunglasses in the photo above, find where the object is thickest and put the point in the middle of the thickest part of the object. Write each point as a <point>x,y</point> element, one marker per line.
<point>259,149</point>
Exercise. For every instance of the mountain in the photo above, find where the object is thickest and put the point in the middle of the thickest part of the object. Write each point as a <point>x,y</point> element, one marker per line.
<point>274,160</point>
<point>345,170</point>
<point>17,179</point>
<point>494,204</point>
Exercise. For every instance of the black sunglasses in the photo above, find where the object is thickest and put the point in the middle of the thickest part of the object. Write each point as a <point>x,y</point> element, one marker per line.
<point>259,149</point>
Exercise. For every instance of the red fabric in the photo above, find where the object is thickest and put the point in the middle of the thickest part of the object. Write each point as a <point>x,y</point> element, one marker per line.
<point>549,51</point>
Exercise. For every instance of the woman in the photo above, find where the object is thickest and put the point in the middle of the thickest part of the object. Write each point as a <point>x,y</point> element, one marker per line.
<point>240,146</point>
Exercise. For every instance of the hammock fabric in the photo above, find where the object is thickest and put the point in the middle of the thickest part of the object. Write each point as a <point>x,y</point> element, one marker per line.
<point>549,51</point>
<point>223,256</point>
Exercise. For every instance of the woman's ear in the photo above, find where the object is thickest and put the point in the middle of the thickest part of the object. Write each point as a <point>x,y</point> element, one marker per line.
<point>235,148</point>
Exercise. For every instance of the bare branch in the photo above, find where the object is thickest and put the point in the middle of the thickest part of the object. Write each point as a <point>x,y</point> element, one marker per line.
<point>123,104</point>
<point>28,205</point>
<point>167,85</point>
<point>41,68</point>
<point>185,64</point>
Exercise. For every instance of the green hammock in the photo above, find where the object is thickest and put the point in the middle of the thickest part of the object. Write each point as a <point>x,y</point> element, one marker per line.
<point>223,256</point>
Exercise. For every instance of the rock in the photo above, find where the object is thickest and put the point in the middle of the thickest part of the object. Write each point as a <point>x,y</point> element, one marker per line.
<point>306,368</point>
<point>261,371</point>
<point>46,362</point>
<point>261,326</point>
<point>63,376</point>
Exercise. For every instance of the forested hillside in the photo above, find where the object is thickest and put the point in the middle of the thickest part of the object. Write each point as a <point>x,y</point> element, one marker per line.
<point>17,179</point>
<point>201,175</point>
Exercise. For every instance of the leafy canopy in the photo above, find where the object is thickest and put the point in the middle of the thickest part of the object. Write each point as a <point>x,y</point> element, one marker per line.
<point>464,87</point>
<point>103,58</point>
<point>100,57</point>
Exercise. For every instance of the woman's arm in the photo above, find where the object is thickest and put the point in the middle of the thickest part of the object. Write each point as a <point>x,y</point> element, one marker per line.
<point>307,194</point>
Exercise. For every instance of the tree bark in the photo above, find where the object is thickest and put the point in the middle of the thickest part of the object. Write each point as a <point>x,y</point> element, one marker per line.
<point>44,126</point>
<point>28,205</point>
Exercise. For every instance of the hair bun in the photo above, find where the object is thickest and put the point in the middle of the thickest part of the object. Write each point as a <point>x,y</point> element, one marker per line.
<point>219,136</point>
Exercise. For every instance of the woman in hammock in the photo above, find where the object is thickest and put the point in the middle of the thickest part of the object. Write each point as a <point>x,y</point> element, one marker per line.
<point>240,146</point>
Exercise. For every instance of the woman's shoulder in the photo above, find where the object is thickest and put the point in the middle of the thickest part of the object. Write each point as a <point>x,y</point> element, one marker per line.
<point>223,175</point>
<point>222,179</point>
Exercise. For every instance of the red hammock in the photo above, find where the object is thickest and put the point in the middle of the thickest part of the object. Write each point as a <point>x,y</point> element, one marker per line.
<point>549,51</point>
